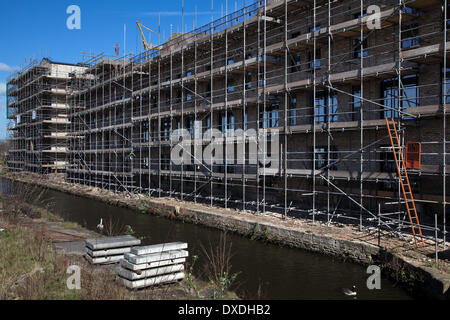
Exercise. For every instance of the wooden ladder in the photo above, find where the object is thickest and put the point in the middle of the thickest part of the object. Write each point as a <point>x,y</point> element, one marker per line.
<point>404,182</point>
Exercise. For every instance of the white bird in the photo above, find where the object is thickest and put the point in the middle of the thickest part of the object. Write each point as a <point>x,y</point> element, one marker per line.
<point>100,225</point>
<point>349,292</point>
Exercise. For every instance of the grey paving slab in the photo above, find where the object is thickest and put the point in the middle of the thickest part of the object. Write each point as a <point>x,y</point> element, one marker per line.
<point>112,242</point>
<point>130,275</point>
<point>104,260</point>
<point>107,252</point>
<point>157,248</point>
<point>156,256</point>
<point>131,266</point>
<point>152,281</point>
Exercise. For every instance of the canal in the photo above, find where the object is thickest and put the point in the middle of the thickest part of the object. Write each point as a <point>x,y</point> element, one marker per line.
<point>281,273</point>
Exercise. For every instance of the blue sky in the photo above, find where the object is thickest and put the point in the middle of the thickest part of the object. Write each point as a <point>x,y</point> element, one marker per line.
<point>37,29</point>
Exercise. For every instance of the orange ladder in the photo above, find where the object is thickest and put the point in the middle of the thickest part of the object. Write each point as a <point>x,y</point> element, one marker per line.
<point>404,181</point>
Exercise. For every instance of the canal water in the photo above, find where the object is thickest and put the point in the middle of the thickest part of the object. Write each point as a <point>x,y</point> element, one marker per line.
<point>281,273</point>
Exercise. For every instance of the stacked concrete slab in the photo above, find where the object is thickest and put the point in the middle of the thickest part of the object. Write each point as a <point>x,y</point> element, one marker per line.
<point>151,265</point>
<point>109,250</point>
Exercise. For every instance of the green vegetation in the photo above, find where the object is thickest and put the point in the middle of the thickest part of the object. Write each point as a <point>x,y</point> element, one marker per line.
<point>260,233</point>
<point>129,230</point>
<point>189,279</point>
<point>222,285</point>
<point>141,206</point>
<point>71,225</point>
<point>218,267</point>
<point>47,214</point>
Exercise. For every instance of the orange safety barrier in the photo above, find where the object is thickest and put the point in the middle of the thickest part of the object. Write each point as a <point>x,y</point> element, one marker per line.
<point>413,155</point>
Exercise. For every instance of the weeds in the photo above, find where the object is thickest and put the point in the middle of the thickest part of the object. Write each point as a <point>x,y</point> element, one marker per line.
<point>260,233</point>
<point>129,230</point>
<point>26,258</point>
<point>114,228</point>
<point>218,267</point>
<point>27,200</point>
<point>189,279</point>
<point>142,206</point>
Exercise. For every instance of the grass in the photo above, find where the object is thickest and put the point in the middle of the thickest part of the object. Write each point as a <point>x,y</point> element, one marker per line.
<point>28,269</point>
<point>71,225</point>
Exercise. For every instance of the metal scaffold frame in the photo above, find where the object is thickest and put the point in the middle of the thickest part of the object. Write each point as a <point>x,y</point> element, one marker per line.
<point>37,109</point>
<point>312,73</point>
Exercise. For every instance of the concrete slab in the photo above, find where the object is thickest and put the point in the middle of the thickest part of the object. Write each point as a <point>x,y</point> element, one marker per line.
<point>112,242</point>
<point>156,256</point>
<point>152,281</point>
<point>107,252</point>
<point>132,276</point>
<point>131,266</point>
<point>104,260</point>
<point>157,248</point>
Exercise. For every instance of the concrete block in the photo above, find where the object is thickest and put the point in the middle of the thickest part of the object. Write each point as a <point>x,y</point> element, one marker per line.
<point>112,242</point>
<point>130,275</point>
<point>152,281</point>
<point>103,260</point>
<point>157,248</point>
<point>128,265</point>
<point>156,256</point>
<point>107,252</point>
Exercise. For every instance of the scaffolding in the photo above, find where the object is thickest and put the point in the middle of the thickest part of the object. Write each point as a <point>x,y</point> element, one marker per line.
<point>37,110</point>
<point>319,76</point>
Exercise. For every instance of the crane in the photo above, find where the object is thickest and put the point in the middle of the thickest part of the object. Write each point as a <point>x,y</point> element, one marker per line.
<point>144,41</point>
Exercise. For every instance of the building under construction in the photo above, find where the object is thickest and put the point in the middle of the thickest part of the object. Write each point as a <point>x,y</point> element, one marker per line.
<point>354,91</point>
<point>37,102</point>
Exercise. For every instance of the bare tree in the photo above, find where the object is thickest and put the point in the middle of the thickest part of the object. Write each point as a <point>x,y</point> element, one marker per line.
<point>5,145</point>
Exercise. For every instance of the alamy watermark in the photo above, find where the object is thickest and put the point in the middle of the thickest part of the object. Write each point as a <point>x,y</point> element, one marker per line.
<point>73,22</point>
<point>74,281</point>
<point>230,147</point>
<point>374,280</point>
<point>374,17</point>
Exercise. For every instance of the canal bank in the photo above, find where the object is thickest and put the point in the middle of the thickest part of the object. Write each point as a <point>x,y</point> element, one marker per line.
<point>37,247</point>
<point>397,258</point>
